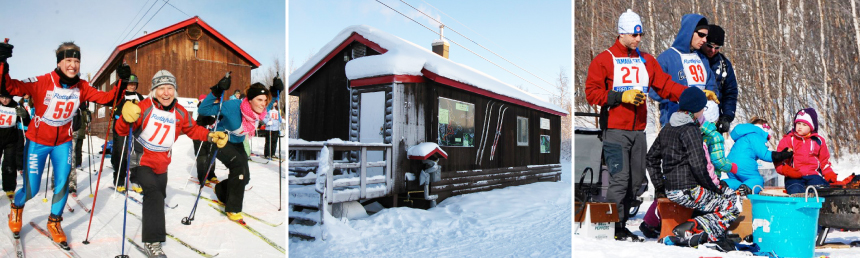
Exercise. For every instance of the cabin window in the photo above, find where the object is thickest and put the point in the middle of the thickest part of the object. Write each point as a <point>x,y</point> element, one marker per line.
<point>544,144</point>
<point>522,131</point>
<point>456,123</point>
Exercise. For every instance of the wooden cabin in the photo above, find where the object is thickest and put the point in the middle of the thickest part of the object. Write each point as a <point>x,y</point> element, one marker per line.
<point>194,52</point>
<point>372,87</point>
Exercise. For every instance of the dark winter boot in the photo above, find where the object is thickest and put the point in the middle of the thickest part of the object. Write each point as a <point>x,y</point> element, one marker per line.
<point>689,233</point>
<point>649,231</point>
<point>624,234</point>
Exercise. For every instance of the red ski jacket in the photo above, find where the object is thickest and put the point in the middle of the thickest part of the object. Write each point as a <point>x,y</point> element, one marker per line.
<point>43,133</point>
<point>152,143</point>
<point>598,87</point>
<point>810,154</point>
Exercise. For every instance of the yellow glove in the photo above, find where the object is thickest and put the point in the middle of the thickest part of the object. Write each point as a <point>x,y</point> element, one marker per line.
<point>634,97</point>
<point>219,138</point>
<point>711,96</point>
<point>130,111</point>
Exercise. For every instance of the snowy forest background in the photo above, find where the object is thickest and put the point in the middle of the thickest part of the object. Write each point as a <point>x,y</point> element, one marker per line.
<point>787,55</point>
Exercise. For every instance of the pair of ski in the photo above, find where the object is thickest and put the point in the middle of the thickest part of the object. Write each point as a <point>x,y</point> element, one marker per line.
<point>220,204</point>
<point>19,248</point>
<point>133,199</point>
<point>171,236</point>
<point>252,230</point>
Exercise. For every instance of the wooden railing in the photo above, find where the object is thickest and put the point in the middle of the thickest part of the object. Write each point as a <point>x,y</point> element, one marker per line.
<point>332,182</point>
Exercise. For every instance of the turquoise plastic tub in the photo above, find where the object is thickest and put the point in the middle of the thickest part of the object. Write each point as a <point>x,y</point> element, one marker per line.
<point>786,226</point>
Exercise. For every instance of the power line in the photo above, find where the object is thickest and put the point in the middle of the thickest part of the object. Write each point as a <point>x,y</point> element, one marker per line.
<point>476,43</point>
<point>138,21</point>
<point>150,18</point>
<point>458,44</point>
<point>126,27</point>
<point>174,7</point>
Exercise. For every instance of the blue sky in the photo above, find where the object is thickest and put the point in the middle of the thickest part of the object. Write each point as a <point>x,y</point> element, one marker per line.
<point>535,35</point>
<point>36,28</point>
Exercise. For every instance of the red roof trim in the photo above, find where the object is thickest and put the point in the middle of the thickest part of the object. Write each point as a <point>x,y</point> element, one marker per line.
<point>170,29</point>
<point>353,37</point>
<point>435,151</point>
<point>435,77</point>
<point>385,79</point>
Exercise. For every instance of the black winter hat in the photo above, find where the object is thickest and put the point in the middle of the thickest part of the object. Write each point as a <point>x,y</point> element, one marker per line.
<point>716,34</point>
<point>255,90</point>
<point>692,99</point>
<point>702,24</point>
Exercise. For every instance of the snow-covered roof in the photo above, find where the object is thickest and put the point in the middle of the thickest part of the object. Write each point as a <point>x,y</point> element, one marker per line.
<point>400,57</point>
<point>424,150</point>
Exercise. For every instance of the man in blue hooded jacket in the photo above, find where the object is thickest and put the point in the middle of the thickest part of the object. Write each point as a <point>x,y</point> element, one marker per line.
<point>686,65</point>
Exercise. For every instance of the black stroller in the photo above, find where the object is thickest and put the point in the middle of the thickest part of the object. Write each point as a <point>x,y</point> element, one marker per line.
<point>588,160</point>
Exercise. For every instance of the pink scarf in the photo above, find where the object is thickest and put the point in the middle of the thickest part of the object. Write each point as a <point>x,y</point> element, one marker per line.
<point>250,118</point>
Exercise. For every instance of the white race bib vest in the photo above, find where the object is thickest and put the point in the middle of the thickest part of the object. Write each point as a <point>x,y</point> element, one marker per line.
<point>629,73</point>
<point>61,106</point>
<point>159,133</point>
<point>8,117</point>
<point>694,69</point>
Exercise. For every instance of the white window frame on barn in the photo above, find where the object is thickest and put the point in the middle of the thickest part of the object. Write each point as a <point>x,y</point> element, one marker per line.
<point>522,131</point>
<point>467,112</point>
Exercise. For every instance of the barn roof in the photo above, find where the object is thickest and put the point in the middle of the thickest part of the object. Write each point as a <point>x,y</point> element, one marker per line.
<point>404,61</point>
<point>169,29</point>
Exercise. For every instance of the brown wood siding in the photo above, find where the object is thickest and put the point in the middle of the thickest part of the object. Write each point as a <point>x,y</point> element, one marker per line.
<point>324,101</point>
<point>175,53</point>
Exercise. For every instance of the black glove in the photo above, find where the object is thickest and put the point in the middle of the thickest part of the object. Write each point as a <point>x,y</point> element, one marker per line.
<point>5,52</point>
<point>76,122</point>
<point>222,85</point>
<point>778,157</point>
<point>277,85</point>
<point>123,72</point>
<point>21,112</point>
<point>724,123</point>
<point>205,120</point>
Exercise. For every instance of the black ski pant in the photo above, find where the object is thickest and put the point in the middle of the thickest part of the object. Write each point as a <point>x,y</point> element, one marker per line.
<point>79,143</point>
<point>624,152</point>
<point>118,157</point>
<point>204,157</point>
<point>271,147</point>
<point>154,191</point>
<point>232,191</point>
<point>12,151</point>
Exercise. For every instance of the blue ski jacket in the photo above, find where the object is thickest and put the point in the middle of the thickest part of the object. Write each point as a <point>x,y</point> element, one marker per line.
<point>670,61</point>
<point>750,145</point>
<point>231,115</point>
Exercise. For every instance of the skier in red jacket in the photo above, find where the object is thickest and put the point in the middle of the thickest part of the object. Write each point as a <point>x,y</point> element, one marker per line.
<point>153,136</point>
<point>56,97</point>
<point>616,81</point>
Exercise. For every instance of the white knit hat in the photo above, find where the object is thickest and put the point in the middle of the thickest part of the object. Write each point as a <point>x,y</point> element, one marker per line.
<point>163,77</point>
<point>629,23</point>
<point>803,116</point>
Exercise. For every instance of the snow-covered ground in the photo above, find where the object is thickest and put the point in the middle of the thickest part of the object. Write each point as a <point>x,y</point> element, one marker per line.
<point>521,221</point>
<point>210,231</point>
<point>593,248</point>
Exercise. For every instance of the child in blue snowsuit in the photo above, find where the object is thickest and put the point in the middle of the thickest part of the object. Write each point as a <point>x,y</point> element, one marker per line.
<point>750,146</point>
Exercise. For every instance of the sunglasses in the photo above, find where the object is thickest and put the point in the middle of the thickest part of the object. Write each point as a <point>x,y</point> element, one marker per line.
<point>714,46</point>
<point>701,35</point>
<point>638,35</point>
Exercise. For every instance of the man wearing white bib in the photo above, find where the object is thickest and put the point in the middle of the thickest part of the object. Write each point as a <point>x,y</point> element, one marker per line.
<point>153,136</point>
<point>688,66</point>
<point>616,81</point>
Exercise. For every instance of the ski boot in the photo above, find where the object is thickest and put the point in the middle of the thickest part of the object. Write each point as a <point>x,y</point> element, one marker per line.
<point>10,194</point>
<point>154,250</point>
<point>15,220</point>
<point>235,216</point>
<point>136,188</point>
<point>649,231</point>
<point>213,180</point>
<point>56,231</point>
<point>689,233</point>
<point>120,189</point>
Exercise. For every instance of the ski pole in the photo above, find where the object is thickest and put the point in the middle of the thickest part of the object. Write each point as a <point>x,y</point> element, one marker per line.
<point>104,151</point>
<point>47,181</point>
<point>121,157</point>
<point>187,220</point>
<point>127,172</point>
<point>90,152</point>
<point>281,161</point>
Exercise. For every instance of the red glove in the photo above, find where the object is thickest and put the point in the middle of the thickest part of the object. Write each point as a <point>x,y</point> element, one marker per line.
<point>734,168</point>
<point>791,172</point>
<point>830,177</point>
